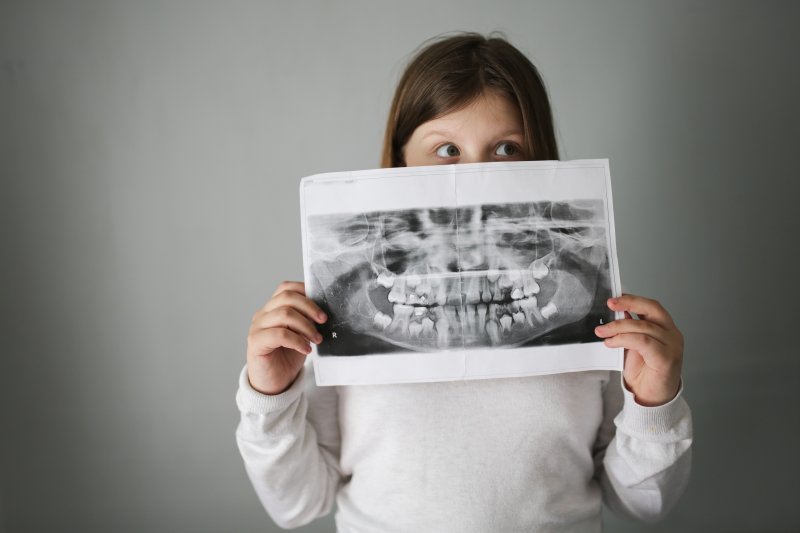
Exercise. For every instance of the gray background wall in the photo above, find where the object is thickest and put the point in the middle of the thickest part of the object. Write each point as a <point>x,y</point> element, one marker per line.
<point>150,154</point>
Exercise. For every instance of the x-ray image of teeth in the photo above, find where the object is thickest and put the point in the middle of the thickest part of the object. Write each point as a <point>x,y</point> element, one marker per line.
<point>496,275</point>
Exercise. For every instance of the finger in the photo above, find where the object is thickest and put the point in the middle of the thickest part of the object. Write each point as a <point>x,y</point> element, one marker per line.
<point>297,301</point>
<point>268,340</point>
<point>650,347</point>
<point>645,308</point>
<point>620,326</point>
<point>287,317</point>
<point>294,286</point>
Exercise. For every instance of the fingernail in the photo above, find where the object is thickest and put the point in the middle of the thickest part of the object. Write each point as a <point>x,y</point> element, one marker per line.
<point>318,338</point>
<point>322,317</point>
<point>599,329</point>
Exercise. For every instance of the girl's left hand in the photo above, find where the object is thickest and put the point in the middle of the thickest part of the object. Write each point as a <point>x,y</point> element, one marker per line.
<point>653,348</point>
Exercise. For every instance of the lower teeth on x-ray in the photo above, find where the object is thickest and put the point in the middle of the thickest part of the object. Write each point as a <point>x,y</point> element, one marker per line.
<point>434,279</point>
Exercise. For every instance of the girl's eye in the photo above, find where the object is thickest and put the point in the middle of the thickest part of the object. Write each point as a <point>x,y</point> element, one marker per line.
<point>509,150</point>
<point>450,150</point>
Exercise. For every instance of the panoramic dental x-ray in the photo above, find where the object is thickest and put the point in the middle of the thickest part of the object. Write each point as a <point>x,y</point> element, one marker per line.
<point>464,271</point>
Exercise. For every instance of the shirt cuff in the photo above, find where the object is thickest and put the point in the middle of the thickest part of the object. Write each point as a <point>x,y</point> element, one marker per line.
<point>641,420</point>
<point>249,400</point>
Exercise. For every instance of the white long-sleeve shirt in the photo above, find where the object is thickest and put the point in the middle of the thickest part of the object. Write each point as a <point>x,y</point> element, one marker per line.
<point>514,454</point>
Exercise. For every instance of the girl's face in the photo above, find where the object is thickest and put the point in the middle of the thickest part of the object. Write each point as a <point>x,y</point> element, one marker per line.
<point>489,129</point>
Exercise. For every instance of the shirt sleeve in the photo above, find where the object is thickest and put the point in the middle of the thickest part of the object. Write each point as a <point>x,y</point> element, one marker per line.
<point>643,454</point>
<point>290,445</point>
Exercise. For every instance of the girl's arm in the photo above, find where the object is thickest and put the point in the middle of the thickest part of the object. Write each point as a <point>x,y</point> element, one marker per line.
<point>643,454</point>
<point>290,445</point>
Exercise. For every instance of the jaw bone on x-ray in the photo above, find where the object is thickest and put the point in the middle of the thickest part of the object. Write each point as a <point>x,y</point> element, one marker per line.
<point>460,271</point>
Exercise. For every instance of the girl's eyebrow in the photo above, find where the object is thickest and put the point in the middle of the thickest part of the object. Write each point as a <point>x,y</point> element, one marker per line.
<point>447,133</point>
<point>436,132</point>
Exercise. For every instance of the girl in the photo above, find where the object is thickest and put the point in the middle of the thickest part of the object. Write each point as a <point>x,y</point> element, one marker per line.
<point>516,454</point>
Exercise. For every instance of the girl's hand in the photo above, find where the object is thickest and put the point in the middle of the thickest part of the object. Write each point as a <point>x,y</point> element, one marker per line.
<point>279,337</point>
<point>653,348</point>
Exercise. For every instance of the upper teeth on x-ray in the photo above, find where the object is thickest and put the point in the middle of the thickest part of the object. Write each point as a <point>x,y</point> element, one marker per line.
<point>503,275</point>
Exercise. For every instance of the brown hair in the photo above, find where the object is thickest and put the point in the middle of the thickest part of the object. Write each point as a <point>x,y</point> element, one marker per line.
<point>451,72</point>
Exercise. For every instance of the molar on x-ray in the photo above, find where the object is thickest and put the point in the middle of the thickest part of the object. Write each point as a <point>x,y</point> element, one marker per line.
<point>438,279</point>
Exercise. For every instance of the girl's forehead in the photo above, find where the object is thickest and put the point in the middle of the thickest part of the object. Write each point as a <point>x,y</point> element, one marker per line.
<point>494,115</point>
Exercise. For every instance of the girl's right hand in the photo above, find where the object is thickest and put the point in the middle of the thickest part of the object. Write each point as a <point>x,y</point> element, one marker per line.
<point>279,337</point>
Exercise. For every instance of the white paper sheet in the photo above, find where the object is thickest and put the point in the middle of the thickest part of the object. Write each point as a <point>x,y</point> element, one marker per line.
<point>469,271</point>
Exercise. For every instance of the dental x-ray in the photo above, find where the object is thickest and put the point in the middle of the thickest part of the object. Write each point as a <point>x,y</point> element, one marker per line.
<point>467,271</point>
